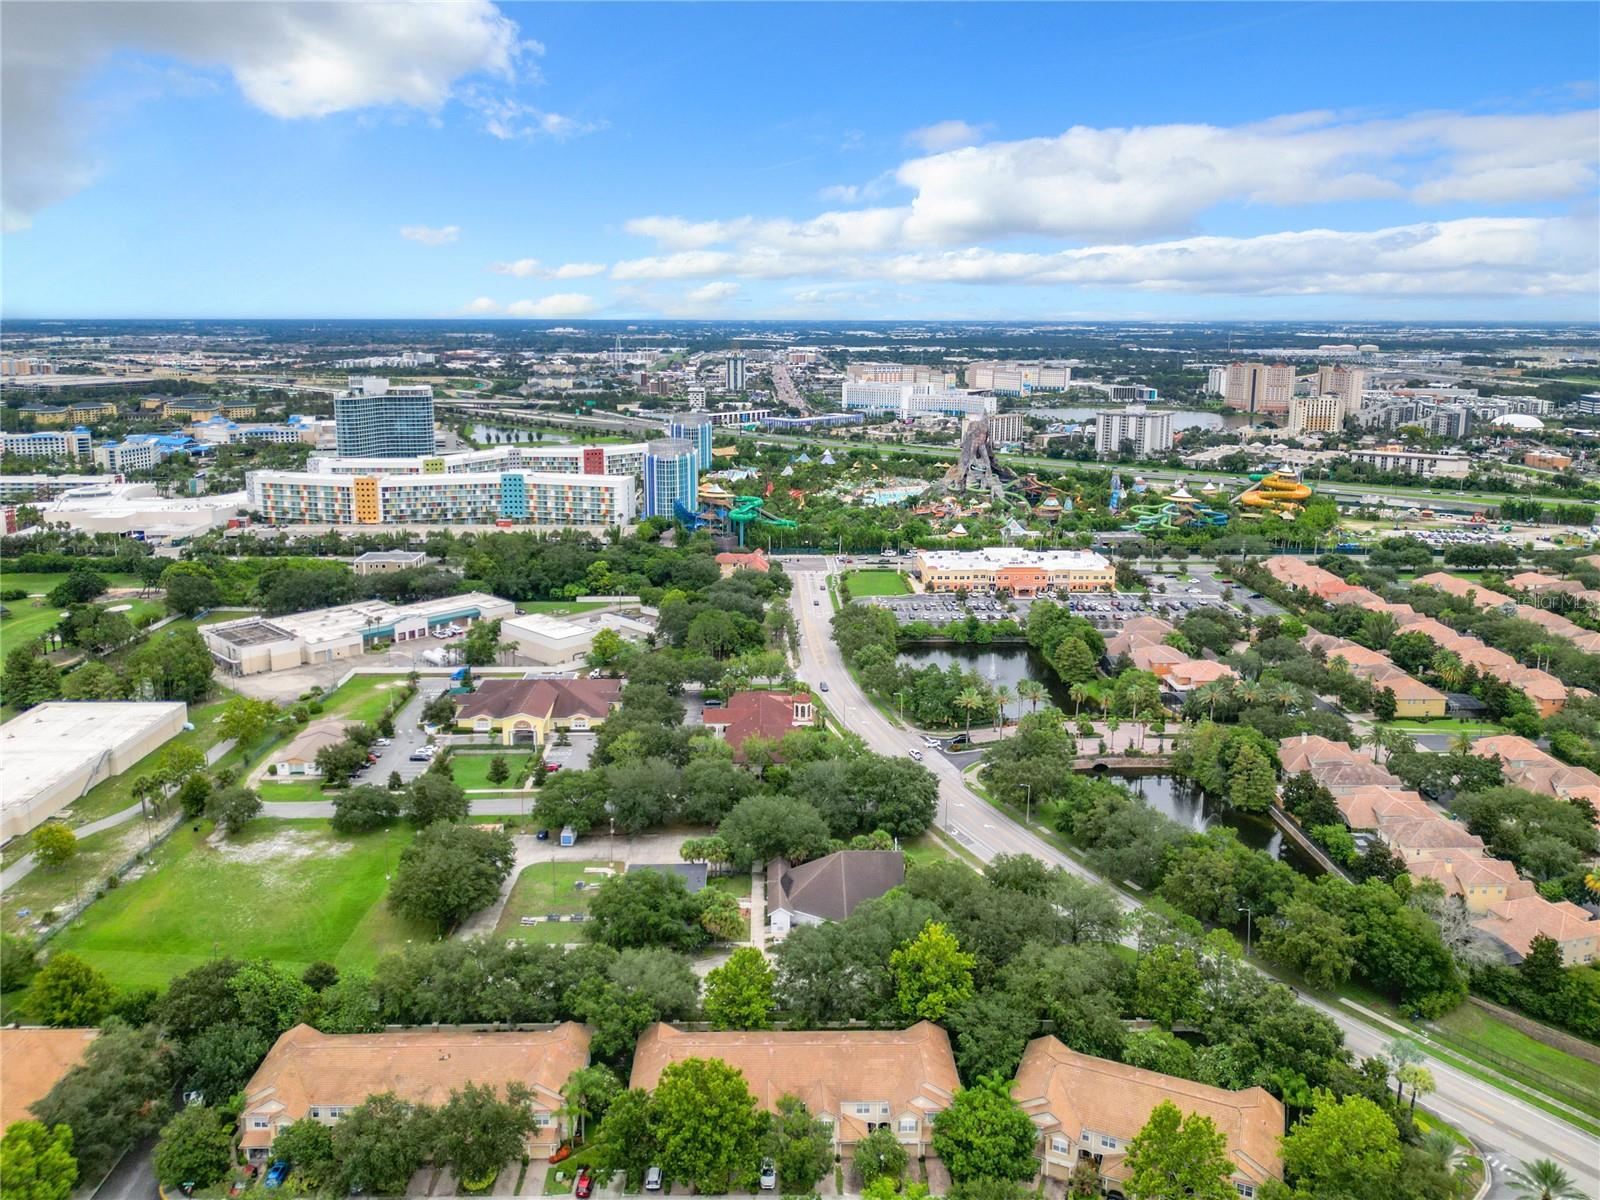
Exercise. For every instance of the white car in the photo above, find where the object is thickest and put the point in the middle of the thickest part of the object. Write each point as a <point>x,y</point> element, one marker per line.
<point>916,754</point>
<point>932,743</point>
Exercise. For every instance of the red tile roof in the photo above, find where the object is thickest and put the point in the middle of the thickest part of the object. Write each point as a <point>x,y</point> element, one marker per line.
<point>501,698</point>
<point>757,714</point>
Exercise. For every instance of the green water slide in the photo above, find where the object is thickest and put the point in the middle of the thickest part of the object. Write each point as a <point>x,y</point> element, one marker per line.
<point>752,508</point>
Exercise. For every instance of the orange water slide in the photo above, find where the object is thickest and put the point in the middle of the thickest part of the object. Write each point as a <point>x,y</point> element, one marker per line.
<point>1277,491</point>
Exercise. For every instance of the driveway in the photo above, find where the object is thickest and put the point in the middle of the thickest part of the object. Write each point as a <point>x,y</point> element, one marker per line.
<point>574,757</point>
<point>134,1178</point>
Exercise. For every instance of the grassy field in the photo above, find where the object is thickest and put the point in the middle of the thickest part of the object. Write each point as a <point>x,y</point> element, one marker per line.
<point>558,608</point>
<point>875,583</point>
<point>1564,1076</point>
<point>27,622</point>
<point>37,584</point>
<point>547,888</point>
<point>293,791</point>
<point>47,889</point>
<point>1443,726</point>
<point>472,770</point>
<point>290,891</point>
<point>364,698</point>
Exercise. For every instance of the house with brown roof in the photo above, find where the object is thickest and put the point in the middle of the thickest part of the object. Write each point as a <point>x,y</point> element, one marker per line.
<point>730,561</point>
<point>1481,883</point>
<point>1156,658</point>
<point>852,1080</point>
<point>767,715</point>
<point>34,1062</point>
<point>1536,584</point>
<point>1340,778</point>
<point>1369,807</point>
<point>829,888</point>
<point>1517,920</point>
<point>1414,699</point>
<point>299,757</point>
<point>1549,694</point>
<point>1091,1108</point>
<point>1513,752</point>
<point>324,1075</point>
<point>1453,585</point>
<point>529,711</point>
<point>1139,631</point>
<point>1355,595</point>
<point>1197,672</point>
<point>1417,839</point>
<point>1301,753</point>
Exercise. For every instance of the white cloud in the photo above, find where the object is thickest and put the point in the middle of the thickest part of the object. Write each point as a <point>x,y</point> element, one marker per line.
<point>291,60</point>
<point>507,118</point>
<point>945,135</point>
<point>712,293</point>
<point>561,304</point>
<point>532,268</point>
<point>482,306</point>
<point>428,236</point>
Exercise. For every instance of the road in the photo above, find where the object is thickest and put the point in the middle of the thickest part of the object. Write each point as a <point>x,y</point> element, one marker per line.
<point>788,396</point>
<point>1501,1124</point>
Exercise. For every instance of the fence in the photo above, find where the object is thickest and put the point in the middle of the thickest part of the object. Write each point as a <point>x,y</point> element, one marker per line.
<point>78,906</point>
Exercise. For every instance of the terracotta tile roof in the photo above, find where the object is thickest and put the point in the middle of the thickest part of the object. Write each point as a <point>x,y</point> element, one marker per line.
<point>1365,807</point>
<point>1151,656</point>
<point>1406,688</point>
<point>306,1068</point>
<point>1516,922</point>
<point>1355,595</point>
<point>1457,874</point>
<point>35,1060</point>
<point>912,1070</point>
<point>1137,632</point>
<point>1512,750</point>
<point>1194,672</point>
<point>1071,1092</point>
<point>1532,581</point>
<point>755,560</point>
<point>756,714</point>
<point>1441,633</point>
<point>1540,685</point>
<point>1432,832</point>
<point>830,887</point>
<point>1452,585</point>
<point>543,698</point>
<point>1342,777</point>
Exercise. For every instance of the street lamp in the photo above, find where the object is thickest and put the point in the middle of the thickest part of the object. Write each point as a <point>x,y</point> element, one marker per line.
<point>1249,915</point>
<point>1029,815</point>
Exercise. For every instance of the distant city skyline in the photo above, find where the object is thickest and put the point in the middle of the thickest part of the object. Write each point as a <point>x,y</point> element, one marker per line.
<point>824,162</point>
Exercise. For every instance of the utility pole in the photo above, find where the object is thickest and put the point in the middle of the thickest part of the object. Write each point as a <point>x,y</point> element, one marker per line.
<point>1249,915</point>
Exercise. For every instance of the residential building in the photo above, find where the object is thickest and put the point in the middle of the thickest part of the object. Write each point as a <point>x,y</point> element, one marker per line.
<point>375,417</point>
<point>1387,411</point>
<point>909,400</point>
<point>1146,433</point>
<point>407,360</point>
<point>125,458</point>
<point>13,364</point>
<point>730,561</point>
<point>887,372</point>
<point>512,497</point>
<point>1450,421</point>
<point>1515,921</point>
<point>1021,572</point>
<point>694,428</point>
<point>1413,699</point>
<point>1480,883</point>
<point>852,1080</point>
<point>36,1059</point>
<point>530,711</point>
<point>299,757</point>
<point>55,752</point>
<point>1018,378</point>
<point>1216,381</point>
<point>1260,389</point>
<point>257,644</point>
<point>829,888</point>
<point>1395,460</point>
<point>324,1075</point>
<point>767,715</point>
<point>1347,383</point>
<point>1092,1108</point>
<point>1316,414</point>
<point>68,443</point>
<point>551,458</point>
<point>1134,393</point>
<point>385,562</point>
<point>671,478</point>
<point>697,396</point>
<point>734,372</point>
<point>1587,405</point>
<point>1006,428</point>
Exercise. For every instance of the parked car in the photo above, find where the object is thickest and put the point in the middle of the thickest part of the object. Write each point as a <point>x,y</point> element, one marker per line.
<point>769,1175</point>
<point>543,835</point>
<point>276,1174</point>
<point>585,1185</point>
<point>384,742</point>
<point>419,756</point>
<point>652,1179</point>
<point>552,767</point>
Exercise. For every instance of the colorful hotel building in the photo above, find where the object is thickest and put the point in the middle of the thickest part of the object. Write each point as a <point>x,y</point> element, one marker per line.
<point>476,498</point>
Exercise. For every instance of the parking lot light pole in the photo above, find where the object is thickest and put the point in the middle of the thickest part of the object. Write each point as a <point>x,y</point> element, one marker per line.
<point>1249,915</point>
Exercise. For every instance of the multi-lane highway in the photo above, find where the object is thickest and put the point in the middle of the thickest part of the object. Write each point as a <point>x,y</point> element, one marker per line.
<point>1503,1125</point>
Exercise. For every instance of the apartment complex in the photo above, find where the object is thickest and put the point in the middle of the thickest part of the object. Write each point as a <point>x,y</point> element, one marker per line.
<point>1018,378</point>
<point>1347,383</point>
<point>1397,460</point>
<point>1021,572</point>
<point>694,428</point>
<point>1317,414</point>
<point>1260,389</point>
<point>733,377</point>
<point>885,372</point>
<point>375,417</point>
<point>1149,433</point>
<point>605,459</point>
<point>908,400</point>
<point>66,443</point>
<point>1006,428</point>
<point>258,644</point>
<point>475,498</point>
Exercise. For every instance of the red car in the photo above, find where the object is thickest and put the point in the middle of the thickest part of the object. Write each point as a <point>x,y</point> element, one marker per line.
<point>561,1152</point>
<point>552,767</point>
<point>585,1185</point>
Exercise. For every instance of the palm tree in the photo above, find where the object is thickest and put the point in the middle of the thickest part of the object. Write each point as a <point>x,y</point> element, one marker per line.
<point>1446,1153</point>
<point>1543,1180</point>
<point>970,700</point>
<point>1461,743</point>
<point>1079,694</point>
<point>1002,697</point>
<point>1402,1053</point>
<point>1448,666</point>
<point>1249,692</point>
<point>1283,695</point>
<point>1032,691</point>
<point>1209,694</point>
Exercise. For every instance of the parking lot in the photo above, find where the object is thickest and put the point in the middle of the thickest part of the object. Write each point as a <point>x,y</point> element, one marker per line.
<point>1105,609</point>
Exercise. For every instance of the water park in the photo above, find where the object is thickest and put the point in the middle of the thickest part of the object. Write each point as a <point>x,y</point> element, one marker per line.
<point>727,514</point>
<point>1274,492</point>
<point>1279,493</point>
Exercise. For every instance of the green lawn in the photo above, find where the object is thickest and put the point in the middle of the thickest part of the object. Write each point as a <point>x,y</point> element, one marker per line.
<point>875,583</point>
<point>559,608</point>
<point>290,891</point>
<point>548,888</point>
<point>292,791</point>
<point>1443,726</point>
<point>472,770</point>
<point>1564,1076</point>
<point>364,698</point>
<point>28,620</point>
<point>38,584</point>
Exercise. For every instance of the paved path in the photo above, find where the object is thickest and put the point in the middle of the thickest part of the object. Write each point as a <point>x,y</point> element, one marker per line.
<point>758,908</point>
<point>18,870</point>
<point>1498,1122</point>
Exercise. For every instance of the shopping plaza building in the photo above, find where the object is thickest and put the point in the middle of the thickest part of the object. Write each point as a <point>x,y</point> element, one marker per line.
<point>1020,572</point>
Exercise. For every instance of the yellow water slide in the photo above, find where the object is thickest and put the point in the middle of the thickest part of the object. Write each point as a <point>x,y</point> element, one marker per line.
<point>1282,493</point>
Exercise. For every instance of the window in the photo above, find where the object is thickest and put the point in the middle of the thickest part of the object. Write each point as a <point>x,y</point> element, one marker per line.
<point>908,1124</point>
<point>316,1114</point>
<point>1110,1143</point>
<point>1059,1145</point>
<point>258,1122</point>
<point>1247,1190</point>
<point>863,1110</point>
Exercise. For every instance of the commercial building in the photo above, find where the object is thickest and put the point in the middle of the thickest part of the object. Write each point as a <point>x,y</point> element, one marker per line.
<point>1090,1109</point>
<point>530,711</point>
<point>1260,389</point>
<point>1347,383</point>
<point>1413,462</point>
<point>852,1080</point>
<point>224,431</point>
<point>1148,433</point>
<point>1006,428</point>
<point>1018,378</point>
<point>1021,572</point>
<point>887,372</point>
<point>694,428</point>
<point>408,360</point>
<point>67,443</point>
<point>509,497</point>
<point>324,1075</point>
<point>42,487</point>
<point>385,562</point>
<point>55,752</point>
<point>734,372</point>
<point>907,400</point>
<point>606,459</point>
<point>257,644</point>
<point>35,1060</point>
<point>547,640</point>
<point>1547,460</point>
<point>1317,414</point>
<point>671,477</point>
<point>829,888</point>
<point>135,509</point>
<point>82,412</point>
<point>375,417</point>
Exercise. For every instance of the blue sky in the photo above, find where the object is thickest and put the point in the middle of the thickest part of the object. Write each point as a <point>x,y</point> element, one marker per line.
<point>831,161</point>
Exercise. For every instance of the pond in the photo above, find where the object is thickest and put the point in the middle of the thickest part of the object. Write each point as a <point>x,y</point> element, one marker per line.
<point>1008,665</point>
<point>1182,418</point>
<point>500,435</point>
<point>1186,804</point>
